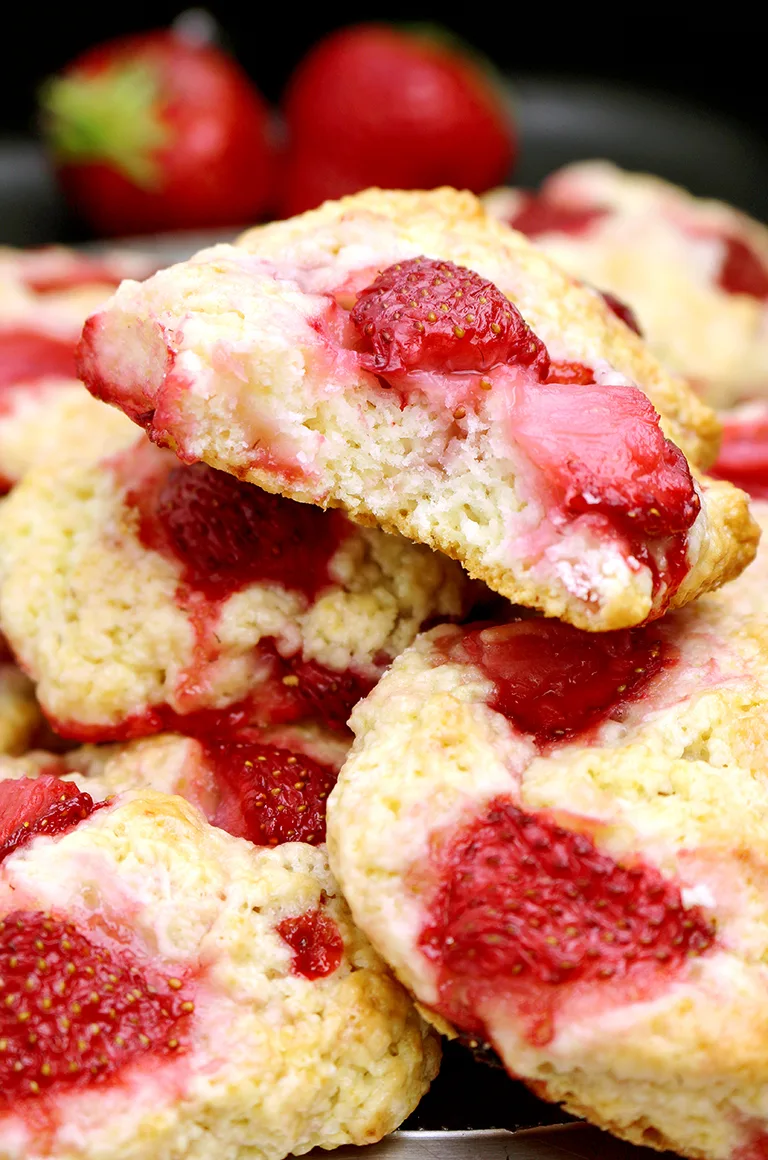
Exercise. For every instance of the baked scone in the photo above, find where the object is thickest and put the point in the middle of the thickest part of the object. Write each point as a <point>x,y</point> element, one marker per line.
<point>45,296</point>
<point>328,359</point>
<point>695,272</point>
<point>172,991</point>
<point>141,595</point>
<point>559,843</point>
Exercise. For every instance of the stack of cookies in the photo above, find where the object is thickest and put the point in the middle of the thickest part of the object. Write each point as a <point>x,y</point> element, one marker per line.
<point>387,666</point>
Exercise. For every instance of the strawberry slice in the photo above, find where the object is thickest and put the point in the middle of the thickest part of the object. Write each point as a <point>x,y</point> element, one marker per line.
<point>75,1011</point>
<point>230,534</point>
<point>315,941</point>
<point>742,272</point>
<point>622,310</point>
<point>525,908</point>
<point>327,695</point>
<point>554,681</point>
<point>540,215</point>
<point>43,805</point>
<point>602,450</point>
<point>27,355</point>
<point>431,315</point>
<point>743,457</point>
<point>270,795</point>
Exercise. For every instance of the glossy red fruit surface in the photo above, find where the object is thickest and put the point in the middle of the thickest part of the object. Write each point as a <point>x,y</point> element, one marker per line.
<point>554,681</point>
<point>402,109</point>
<point>428,315</point>
<point>317,946</point>
<point>43,805</point>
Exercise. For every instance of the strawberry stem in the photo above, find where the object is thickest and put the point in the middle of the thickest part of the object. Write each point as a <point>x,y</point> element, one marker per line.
<point>112,117</point>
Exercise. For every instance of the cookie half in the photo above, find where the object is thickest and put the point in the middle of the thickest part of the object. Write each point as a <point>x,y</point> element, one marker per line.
<point>408,359</point>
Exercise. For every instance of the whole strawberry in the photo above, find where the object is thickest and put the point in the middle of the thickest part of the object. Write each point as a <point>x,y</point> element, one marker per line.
<point>159,132</point>
<point>380,105</point>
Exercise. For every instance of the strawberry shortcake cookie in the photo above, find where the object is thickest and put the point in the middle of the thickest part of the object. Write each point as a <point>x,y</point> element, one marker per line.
<point>45,296</point>
<point>169,990</point>
<point>141,594</point>
<point>559,842</point>
<point>408,359</point>
<point>694,272</point>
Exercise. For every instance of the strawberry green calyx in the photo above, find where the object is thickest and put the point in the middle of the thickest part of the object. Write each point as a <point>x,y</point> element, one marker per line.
<point>111,117</point>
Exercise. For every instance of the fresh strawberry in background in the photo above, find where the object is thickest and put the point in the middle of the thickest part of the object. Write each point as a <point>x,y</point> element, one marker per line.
<point>159,132</point>
<point>403,107</point>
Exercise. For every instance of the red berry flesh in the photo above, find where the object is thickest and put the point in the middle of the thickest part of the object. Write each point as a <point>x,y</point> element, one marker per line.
<point>574,373</point>
<point>743,457</point>
<point>539,215</point>
<point>742,272</point>
<point>229,534</point>
<point>621,310</point>
<point>602,449</point>
<point>554,681</point>
<point>327,695</point>
<point>270,795</point>
<point>428,315</point>
<point>75,1012</point>
<point>27,355</point>
<point>39,806</point>
<point>525,910</point>
<point>317,946</point>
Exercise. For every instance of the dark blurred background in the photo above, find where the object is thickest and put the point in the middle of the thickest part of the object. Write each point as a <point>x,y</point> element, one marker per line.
<point>681,96</point>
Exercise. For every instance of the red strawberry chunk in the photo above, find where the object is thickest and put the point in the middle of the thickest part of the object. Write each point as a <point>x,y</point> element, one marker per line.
<point>328,695</point>
<point>315,941</point>
<point>743,457</point>
<point>601,448</point>
<point>75,1012</point>
<point>230,534</point>
<point>270,795</point>
<point>539,215</point>
<point>554,681</point>
<point>574,373</point>
<point>27,355</point>
<point>430,315</point>
<point>32,807</point>
<point>621,310</point>
<point>524,908</point>
<point>742,272</point>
